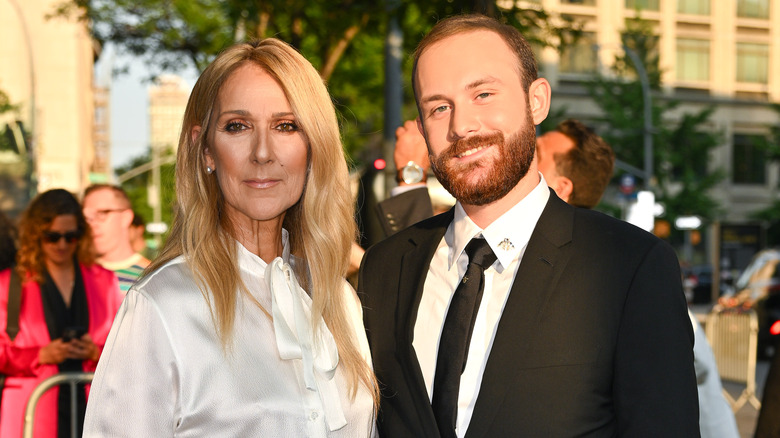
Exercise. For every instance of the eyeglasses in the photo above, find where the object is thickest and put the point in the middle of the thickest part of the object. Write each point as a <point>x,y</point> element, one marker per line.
<point>54,237</point>
<point>100,215</point>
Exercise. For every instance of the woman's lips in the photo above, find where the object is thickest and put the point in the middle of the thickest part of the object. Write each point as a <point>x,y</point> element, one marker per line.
<point>263,183</point>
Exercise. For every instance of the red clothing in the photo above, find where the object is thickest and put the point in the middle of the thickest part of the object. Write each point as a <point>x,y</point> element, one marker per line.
<point>19,360</point>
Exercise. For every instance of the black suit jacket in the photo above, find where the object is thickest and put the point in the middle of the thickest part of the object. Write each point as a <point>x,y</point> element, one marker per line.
<point>768,424</point>
<point>594,339</point>
<point>398,212</point>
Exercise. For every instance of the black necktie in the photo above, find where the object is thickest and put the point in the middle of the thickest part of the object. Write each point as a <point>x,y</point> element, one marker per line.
<point>456,336</point>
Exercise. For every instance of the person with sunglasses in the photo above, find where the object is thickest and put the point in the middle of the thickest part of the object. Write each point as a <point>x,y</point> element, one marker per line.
<point>67,306</point>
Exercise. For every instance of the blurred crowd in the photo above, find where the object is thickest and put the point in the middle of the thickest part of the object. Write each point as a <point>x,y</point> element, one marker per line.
<point>72,262</point>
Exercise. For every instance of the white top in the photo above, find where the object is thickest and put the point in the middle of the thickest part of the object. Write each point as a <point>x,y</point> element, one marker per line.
<point>716,418</point>
<point>508,237</point>
<point>163,371</point>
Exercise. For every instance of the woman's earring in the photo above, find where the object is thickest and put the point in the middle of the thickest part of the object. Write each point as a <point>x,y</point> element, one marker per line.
<point>209,170</point>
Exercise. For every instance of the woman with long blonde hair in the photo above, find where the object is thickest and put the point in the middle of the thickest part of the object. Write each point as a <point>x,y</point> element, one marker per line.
<point>244,325</point>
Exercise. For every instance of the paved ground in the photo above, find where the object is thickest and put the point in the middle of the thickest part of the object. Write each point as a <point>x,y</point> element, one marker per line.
<point>747,416</point>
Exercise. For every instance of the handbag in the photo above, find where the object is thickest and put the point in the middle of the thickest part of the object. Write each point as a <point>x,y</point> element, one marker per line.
<point>14,306</point>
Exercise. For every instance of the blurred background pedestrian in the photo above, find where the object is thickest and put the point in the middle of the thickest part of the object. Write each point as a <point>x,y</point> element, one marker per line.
<point>68,304</point>
<point>110,215</point>
<point>8,236</point>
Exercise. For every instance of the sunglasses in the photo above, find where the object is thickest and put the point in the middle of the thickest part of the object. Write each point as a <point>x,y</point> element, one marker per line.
<point>54,237</point>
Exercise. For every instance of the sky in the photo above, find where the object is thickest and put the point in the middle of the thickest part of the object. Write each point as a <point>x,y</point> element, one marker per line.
<point>129,101</point>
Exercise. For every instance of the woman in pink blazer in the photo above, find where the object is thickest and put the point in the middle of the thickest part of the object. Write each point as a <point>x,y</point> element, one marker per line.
<point>67,306</point>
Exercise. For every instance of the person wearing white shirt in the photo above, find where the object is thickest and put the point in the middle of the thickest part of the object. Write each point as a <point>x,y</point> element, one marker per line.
<point>244,325</point>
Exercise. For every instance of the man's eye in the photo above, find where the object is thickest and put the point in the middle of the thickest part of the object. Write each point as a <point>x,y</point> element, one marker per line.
<point>440,109</point>
<point>235,127</point>
<point>287,127</point>
<point>483,95</point>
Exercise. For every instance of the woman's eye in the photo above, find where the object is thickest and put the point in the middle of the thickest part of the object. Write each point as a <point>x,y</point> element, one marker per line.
<point>287,127</point>
<point>235,127</point>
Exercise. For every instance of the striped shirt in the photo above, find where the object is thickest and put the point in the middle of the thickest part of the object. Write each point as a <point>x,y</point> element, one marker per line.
<point>128,270</point>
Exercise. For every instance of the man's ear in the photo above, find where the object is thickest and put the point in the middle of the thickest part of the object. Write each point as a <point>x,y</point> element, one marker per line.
<point>127,217</point>
<point>539,99</point>
<point>563,187</point>
<point>420,126</point>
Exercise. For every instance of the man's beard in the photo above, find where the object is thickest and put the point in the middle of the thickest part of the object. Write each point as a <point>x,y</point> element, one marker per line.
<point>503,173</point>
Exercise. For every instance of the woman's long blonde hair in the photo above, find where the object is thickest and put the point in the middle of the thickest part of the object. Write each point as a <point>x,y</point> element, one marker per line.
<point>321,224</point>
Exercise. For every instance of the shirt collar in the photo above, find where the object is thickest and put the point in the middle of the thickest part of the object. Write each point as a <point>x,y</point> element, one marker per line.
<point>508,235</point>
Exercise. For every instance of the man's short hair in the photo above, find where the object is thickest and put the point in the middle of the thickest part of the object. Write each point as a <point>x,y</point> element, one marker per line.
<point>588,164</point>
<point>526,61</point>
<point>119,193</point>
<point>138,220</point>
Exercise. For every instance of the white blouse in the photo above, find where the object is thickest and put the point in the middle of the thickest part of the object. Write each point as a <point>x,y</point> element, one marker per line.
<point>164,372</point>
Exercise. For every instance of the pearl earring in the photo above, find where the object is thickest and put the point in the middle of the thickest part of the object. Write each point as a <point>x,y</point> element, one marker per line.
<point>209,170</point>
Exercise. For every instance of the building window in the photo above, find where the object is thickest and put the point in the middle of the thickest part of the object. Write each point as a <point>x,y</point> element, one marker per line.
<point>693,60</point>
<point>646,5</point>
<point>697,7</point>
<point>752,63</point>
<point>581,57</point>
<point>579,2</point>
<point>753,8</point>
<point>749,160</point>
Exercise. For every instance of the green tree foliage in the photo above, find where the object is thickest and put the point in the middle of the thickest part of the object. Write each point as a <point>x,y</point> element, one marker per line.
<point>771,214</point>
<point>137,188</point>
<point>7,141</point>
<point>685,185</point>
<point>17,184</point>
<point>343,39</point>
<point>681,145</point>
<point>5,103</point>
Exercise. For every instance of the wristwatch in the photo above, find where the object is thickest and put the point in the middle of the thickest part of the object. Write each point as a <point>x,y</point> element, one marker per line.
<point>412,173</point>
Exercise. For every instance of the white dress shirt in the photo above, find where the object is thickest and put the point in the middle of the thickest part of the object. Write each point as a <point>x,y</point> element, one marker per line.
<point>164,372</point>
<point>508,237</point>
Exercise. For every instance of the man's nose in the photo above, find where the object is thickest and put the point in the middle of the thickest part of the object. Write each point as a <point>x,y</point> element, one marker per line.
<point>464,122</point>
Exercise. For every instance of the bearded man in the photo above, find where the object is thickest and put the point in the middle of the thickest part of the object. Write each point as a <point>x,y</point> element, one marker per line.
<point>514,313</point>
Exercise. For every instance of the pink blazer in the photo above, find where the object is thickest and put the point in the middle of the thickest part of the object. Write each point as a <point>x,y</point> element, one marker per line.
<point>19,360</point>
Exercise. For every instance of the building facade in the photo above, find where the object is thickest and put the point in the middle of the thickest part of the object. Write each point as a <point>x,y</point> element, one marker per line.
<point>724,53</point>
<point>167,102</point>
<point>46,69</point>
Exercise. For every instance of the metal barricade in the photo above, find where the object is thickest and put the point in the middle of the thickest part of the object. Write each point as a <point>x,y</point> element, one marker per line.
<point>58,379</point>
<point>733,335</point>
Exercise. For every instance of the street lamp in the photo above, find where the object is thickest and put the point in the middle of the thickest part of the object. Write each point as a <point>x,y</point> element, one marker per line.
<point>393,86</point>
<point>648,113</point>
<point>687,224</point>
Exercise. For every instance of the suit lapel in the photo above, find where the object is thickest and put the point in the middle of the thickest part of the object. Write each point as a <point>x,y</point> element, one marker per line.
<point>414,269</point>
<point>542,264</point>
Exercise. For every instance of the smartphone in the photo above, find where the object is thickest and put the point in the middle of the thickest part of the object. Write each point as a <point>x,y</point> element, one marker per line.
<point>73,333</point>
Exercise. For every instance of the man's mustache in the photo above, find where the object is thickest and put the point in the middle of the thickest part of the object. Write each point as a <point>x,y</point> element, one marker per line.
<point>464,144</point>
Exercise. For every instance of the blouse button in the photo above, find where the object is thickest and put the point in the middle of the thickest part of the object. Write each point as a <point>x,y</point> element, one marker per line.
<point>314,415</point>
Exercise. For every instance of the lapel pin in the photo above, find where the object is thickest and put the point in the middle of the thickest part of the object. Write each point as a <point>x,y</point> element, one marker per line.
<point>506,245</point>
